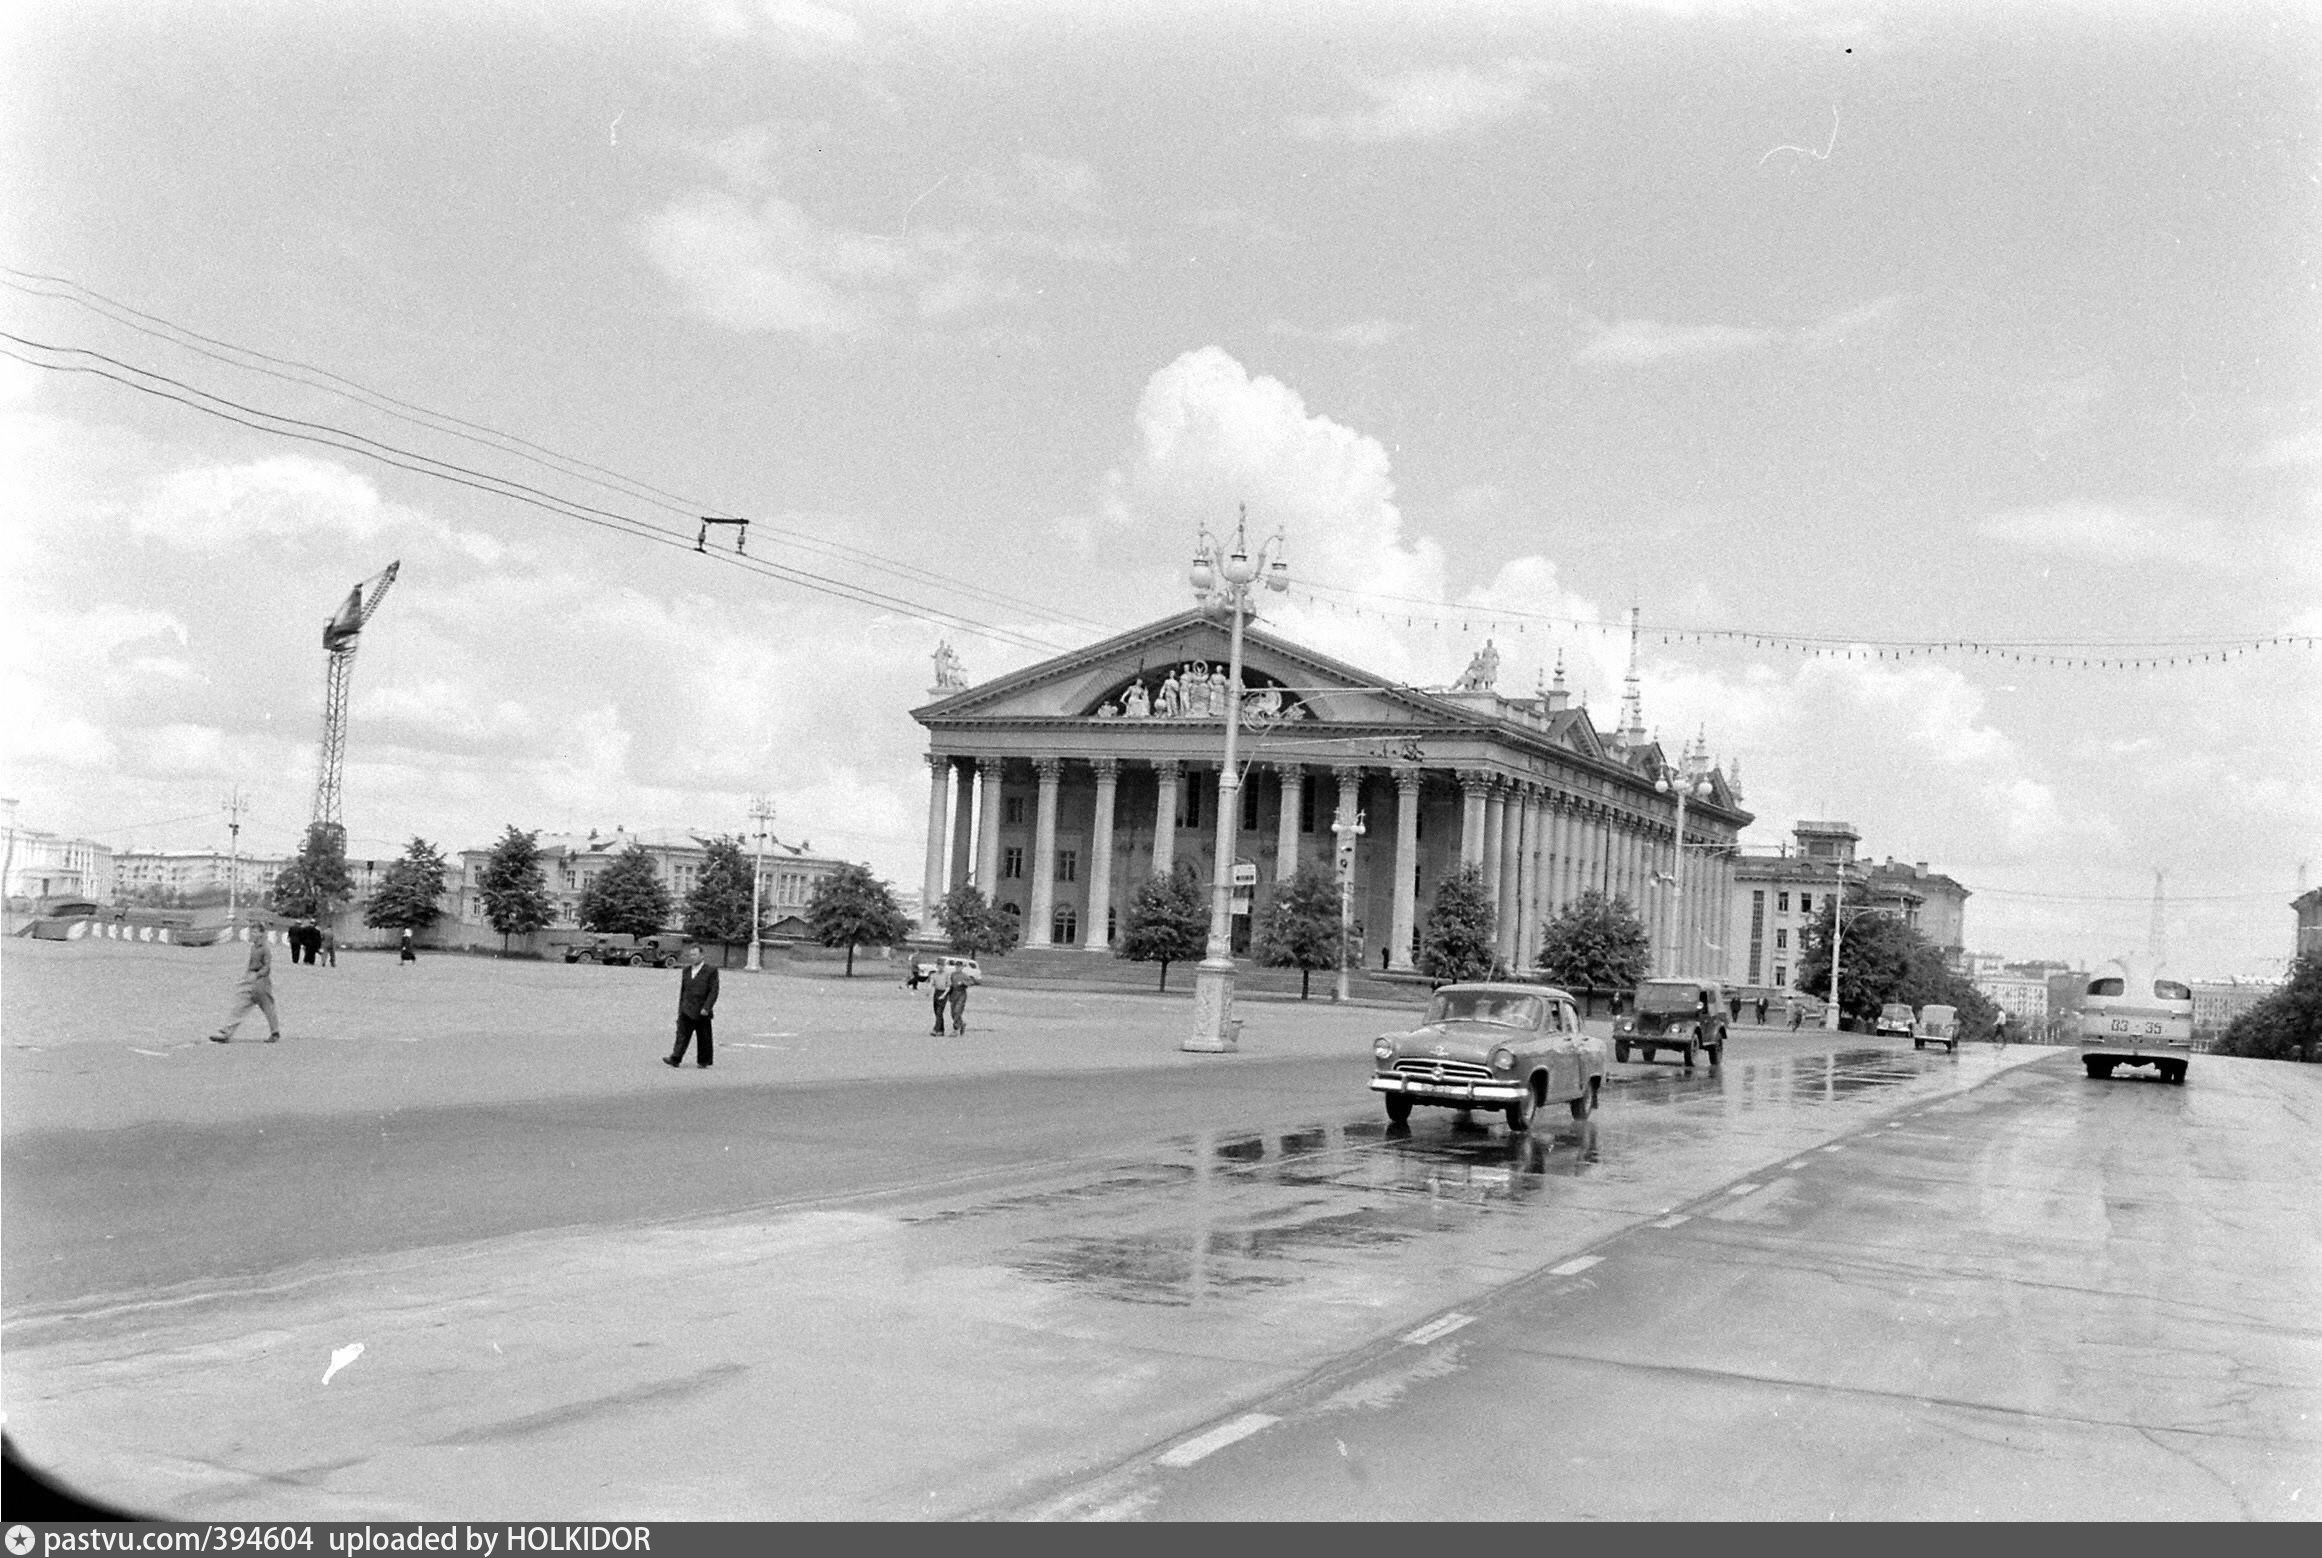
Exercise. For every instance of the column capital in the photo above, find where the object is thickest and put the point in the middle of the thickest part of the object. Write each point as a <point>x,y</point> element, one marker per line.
<point>1050,769</point>
<point>1168,768</point>
<point>1346,771</point>
<point>940,762</point>
<point>1288,770</point>
<point>1105,768</point>
<point>1408,780</point>
<point>1475,779</point>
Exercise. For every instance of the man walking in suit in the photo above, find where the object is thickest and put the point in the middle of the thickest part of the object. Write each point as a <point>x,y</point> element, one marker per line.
<point>697,998</point>
<point>256,989</point>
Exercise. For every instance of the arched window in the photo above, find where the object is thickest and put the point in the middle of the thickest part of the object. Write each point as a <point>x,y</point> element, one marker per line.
<point>1064,925</point>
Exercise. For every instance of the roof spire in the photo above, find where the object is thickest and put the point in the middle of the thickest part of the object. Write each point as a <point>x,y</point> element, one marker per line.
<point>1632,727</point>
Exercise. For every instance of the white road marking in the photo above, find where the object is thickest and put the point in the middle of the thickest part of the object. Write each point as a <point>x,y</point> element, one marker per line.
<point>1671,1222</point>
<point>1742,1189</point>
<point>1217,1439</point>
<point>157,1054</point>
<point>1834,1149</point>
<point>773,1035</point>
<point>1436,1330</point>
<point>341,1358</point>
<point>746,1044</point>
<point>1576,1266</point>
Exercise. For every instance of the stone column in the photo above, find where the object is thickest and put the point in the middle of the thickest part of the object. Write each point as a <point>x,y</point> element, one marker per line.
<point>1495,835</point>
<point>1100,849</point>
<point>989,771</point>
<point>938,807</point>
<point>1408,782</point>
<point>963,823</point>
<point>1036,928</point>
<point>1561,875</point>
<point>1165,781</point>
<point>1535,877</point>
<point>1288,777</point>
<point>1472,785</point>
<point>1591,862</point>
<point>1505,902</point>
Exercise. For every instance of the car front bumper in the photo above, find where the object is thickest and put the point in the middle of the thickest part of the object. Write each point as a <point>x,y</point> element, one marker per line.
<point>1458,1094</point>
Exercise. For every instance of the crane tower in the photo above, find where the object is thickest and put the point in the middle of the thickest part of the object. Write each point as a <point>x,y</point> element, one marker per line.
<point>342,635</point>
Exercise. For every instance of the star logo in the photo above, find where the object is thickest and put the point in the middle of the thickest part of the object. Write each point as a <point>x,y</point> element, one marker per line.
<point>20,1540</point>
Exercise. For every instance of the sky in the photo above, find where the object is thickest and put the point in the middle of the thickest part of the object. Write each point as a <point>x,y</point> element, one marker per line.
<point>1832,338</point>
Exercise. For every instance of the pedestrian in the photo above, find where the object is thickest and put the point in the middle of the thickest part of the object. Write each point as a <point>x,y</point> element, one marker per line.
<point>409,953</point>
<point>330,947</point>
<point>1797,1016</point>
<point>955,996</point>
<point>1733,1007</point>
<point>915,976</point>
<point>939,991</point>
<point>256,989</point>
<point>1761,1011</point>
<point>697,999</point>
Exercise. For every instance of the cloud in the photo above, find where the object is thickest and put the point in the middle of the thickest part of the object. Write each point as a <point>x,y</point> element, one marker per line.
<point>2292,449</point>
<point>1062,181</point>
<point>811,30</point>
<point>1364,333</point>
<point>2092,530</point>
<point>771,267</point>
<point>1647,341</point>
<point>1837,329</point>
<point>1427,105</point>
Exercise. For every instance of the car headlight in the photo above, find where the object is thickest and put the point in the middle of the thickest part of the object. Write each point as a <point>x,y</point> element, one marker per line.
<point>1503,1060</point>
<point>1384,1049</point>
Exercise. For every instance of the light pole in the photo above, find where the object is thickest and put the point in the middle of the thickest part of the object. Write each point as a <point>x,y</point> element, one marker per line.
<point>1684,782</point>
<point>761,813</point>
<point>234,807</point>
<point>1837,942</point>
<point>1223,579</point>
<point>1348,826</point>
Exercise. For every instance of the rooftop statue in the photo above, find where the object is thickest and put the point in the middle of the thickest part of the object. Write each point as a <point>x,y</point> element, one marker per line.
<point>950,675</point>
<point>1482,671</point>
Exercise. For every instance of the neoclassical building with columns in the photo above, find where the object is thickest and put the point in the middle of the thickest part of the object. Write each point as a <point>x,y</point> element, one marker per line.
<point>1060,788</point>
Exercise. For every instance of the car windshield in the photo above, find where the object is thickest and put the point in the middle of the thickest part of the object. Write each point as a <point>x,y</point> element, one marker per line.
<point>1505,1011</point>
<point>1668,998</point>
<point>1895,1013</point>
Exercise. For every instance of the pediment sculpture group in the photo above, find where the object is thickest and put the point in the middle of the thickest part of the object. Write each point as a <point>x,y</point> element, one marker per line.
<point>1195,690</point>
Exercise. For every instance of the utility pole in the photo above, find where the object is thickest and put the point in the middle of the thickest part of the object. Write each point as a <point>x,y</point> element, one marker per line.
<point>235,806</point>
<point>1348,826</point>
<point>8,868</point>
<point>1837,941</point>
<point>2159,935</point>
<point>761,813</point>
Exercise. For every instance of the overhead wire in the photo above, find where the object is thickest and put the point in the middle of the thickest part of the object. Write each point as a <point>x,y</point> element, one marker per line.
<point>498,486</point>
<point>230,354</point>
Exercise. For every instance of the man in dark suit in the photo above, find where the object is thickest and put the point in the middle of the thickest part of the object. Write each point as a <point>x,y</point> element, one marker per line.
<point>697,998</point>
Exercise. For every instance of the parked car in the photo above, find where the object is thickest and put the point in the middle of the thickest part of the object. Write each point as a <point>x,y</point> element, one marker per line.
<point>1669,1014</point>
<point>1897,1021</point>
<point>663,949</point>
<point>1937,1025</point>
<point>1512,1047</point>
<point>938,967</point>
<point>600,947</point>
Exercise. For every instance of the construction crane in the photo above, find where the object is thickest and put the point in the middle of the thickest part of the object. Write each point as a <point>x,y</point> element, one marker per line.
<point>342,635</point>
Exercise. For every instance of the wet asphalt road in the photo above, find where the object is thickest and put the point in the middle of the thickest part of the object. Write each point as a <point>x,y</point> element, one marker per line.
<point>855,1274</point>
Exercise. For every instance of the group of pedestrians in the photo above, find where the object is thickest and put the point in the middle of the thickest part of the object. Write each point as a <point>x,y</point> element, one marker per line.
<point>950,993</point>
<point>309,943</point>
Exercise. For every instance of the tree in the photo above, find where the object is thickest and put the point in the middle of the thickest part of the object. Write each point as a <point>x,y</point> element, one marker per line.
<point>1460,930</point>
<point>1874,960</point>
<point>971,926</point>
<point>315,882</point>
<point>627,897</point>
<point>514,886</point>
<point>1596,943</point>
<point>409,894</point>
<point>1167,922</point>
<point>852,908</point>
<point>2286,1025</point>
<point>718,908</point>
<point>1300,928</point>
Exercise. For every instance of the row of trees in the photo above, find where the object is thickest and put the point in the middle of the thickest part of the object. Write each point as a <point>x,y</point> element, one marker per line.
<point>2287,1024</point>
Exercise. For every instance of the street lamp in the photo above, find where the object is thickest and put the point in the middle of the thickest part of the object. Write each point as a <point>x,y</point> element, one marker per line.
<point>1223,579</point>
<point>761,813</point>
<point>1348,826</point>
<point>1684,782</point>
<point>1838,913</point>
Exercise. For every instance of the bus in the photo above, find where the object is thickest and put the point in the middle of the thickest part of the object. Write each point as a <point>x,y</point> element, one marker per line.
<point>2136,1015</point>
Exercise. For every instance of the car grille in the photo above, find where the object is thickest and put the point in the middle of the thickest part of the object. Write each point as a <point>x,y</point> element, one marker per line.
<point>1442,1071</point>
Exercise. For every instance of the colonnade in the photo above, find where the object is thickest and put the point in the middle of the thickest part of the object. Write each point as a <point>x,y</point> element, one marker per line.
<point>1538,845</point>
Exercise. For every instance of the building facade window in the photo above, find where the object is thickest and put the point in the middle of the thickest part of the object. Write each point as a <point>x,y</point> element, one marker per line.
<point>1064,925</point>
<point>1781,975</point>
<point>1068,865</point>
<point>1189,802</point>
<point>1781,941</point>
<point>1012,861</point>
<point>1781,903</point>
<point>1306,803</point>
<point>1012,810</point>
<point>1805,903</point>
<point>1249,808</point>
<point>1757,932</point>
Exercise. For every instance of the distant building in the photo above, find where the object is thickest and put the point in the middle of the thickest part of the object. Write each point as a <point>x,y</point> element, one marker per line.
<point>153,874</point>
<point>47,865</point>
<point>2307,907</point>
<point>1777,896</point>
<point>2023,997</point>
<point>2216,1002</point>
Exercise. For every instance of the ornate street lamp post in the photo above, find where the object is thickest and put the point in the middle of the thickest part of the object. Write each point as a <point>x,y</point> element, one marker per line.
<point>1692,779</point>
<point>1349,828</point>
<point>761,813</point>
<point>1222,580</point>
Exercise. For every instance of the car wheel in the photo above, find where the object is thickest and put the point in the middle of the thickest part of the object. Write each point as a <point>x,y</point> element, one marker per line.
<point>1520,1112</point>
<point>636,960</point>
<point>1918,1044</point>
<point>1717,1050</point>
<point>1398,1107</point>
<point>1952,1048</point>
<point>2176,1073</point>
<point>1690,1046</point>
<point>2100,1069</point>
<point>1585,1104</point>
<point>1621,1053</point>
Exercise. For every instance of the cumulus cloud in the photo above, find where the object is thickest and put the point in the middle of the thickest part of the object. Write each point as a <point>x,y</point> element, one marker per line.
<point>1360,332</point>
<point>1426,105</point>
